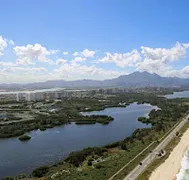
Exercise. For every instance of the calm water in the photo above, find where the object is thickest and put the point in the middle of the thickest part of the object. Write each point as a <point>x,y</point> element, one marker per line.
<point>183,94</point>
<point>52,145</point>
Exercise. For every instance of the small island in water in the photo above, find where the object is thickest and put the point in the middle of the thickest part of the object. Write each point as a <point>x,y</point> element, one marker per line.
<point>24,138</point>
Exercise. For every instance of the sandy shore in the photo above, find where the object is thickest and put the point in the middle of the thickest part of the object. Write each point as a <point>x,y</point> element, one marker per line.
<point>172,165</point>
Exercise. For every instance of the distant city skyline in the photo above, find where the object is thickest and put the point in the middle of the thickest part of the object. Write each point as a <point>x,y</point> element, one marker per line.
<point>80,39</point>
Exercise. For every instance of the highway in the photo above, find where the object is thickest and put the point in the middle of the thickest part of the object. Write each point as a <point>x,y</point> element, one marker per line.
<point>149,159</point>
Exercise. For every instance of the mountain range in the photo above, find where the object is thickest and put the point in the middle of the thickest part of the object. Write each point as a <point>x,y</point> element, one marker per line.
<point>136,79</point>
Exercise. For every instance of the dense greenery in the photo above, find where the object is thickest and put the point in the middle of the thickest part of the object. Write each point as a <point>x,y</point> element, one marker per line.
<point>76,158</point>
<point>69,111</point>
<point>40,172</point>
<point>144,120</point>
<point>103,119</point>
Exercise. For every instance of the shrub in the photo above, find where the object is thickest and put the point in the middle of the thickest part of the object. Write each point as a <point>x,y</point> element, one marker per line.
<point>40,172</point>
<point>76,158</point>
<point>90,163</point>
<point>98,166</point>
<point>123,146</point>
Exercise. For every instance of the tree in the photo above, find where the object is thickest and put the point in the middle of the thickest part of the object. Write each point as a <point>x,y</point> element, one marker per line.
<point>123,146</point>
<point>40,172</point>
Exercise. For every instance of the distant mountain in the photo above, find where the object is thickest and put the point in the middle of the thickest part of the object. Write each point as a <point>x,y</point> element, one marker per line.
<point>143,79</point>
<point>136,79</point>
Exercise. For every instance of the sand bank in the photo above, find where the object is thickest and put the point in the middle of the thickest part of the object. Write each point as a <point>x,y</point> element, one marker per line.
<point>172,165</point>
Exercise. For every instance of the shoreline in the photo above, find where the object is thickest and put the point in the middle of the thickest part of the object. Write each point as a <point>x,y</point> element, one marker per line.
<point>172,165</point>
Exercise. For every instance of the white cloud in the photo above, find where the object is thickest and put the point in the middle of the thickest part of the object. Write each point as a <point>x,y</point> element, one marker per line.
<point>2,63</point>
<point>25,70</point>
<point>159,60</point>
<point>76,71</point>
<point>3,45</point>
<point>27,54</point>
<point>60,61</point>
<point>87,53</point>
<point>122,60</point>
<point>65,53</point>
<point>54,51</point>
<point>152,66</point>
<point>24,75</point>
<point>11,42</point>
<point>186,45</point>
<point>66,71</point>
<point>154,60</point>
<point>165,55</point>
<point>182,73</point>
<point>78,59</point>
<point>75,54</point>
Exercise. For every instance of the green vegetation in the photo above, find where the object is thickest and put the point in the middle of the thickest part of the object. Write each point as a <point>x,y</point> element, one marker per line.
<point>68,111</point>
<point>93,119</point>
<point>101,163</point>
<point>76,158</point>
<point>40,172</point>
<point>144,120</point>
<point>42,129</point>
<point>24,138</point>
<point>123,145</point>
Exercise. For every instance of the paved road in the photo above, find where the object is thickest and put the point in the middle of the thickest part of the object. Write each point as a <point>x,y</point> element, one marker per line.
<point>148,160</point>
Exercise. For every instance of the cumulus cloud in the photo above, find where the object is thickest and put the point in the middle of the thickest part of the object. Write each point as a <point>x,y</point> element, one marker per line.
<point>78,59</point>
<point>186,45</point>
<point>24,70</point>
<point>76,71</point>
<point>3,45</point>
<point>152,66</point>
<point>75,54</point>
<point>122,60</point>
<point>165,55</point>
<point>60,61</point>
<point>24,74</point>
<point>182,73</point>
<point>82,56</point>
<point>87,53</point>
<point>54,51</point>
<point>2,63</point>
<point>27,54</point>
<point>159,60</point>
<point>11,42</point>
<point>65,53</point>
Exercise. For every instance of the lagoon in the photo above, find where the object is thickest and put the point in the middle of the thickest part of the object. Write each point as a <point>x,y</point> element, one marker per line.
<point>182,94</point>
<point>52,145</point>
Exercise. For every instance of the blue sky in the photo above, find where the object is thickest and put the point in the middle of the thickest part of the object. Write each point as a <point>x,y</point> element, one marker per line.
<point>110,37</point>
